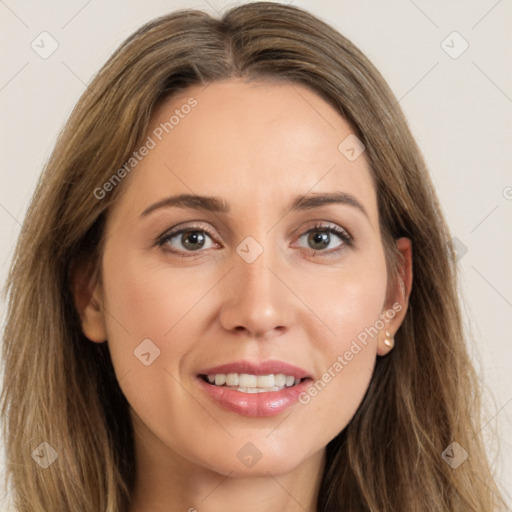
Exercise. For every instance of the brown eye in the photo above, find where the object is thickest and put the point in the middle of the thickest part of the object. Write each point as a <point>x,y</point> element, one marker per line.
<point>188,239</point>
<point>193,240</point>
<point>322,238</point>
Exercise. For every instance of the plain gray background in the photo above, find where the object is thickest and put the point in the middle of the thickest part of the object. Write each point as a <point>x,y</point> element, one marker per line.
<point>458,102</point>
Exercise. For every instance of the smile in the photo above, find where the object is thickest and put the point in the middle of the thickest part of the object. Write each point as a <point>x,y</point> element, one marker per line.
<point>249,383</point>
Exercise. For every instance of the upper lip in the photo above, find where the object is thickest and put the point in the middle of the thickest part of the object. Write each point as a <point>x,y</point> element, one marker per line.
<point>257,368</point>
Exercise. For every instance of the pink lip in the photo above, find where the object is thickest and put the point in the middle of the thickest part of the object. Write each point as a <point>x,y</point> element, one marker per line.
<point>268,403</point>
<point>261,368</point>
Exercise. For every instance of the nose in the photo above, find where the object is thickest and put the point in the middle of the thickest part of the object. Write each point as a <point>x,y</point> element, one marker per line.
<point>257,303</point>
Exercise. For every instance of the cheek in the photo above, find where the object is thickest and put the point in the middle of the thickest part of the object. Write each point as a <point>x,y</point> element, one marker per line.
<point>349,302</point>
<point>149,299</point>
<point>151,302</point>
<point>351,305</point>
<point>147,308</point>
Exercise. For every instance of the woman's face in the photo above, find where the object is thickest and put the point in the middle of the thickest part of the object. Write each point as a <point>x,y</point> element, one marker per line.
<point>268,279</point>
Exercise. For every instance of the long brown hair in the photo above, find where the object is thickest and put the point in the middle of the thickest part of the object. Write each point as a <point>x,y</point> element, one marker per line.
<point>60,389</point>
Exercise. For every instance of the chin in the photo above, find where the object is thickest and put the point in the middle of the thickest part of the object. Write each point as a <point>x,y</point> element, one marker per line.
<point>247,460</point>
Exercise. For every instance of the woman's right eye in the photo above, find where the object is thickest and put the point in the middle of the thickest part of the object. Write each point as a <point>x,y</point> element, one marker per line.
<point>183,240</point>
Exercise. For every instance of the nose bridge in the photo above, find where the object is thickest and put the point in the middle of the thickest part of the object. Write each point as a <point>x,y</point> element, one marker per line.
<point>257,299</point>
<point>253,263</point>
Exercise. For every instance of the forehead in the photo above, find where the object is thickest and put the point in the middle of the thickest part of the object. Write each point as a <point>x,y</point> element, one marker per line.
<point>253,143</point>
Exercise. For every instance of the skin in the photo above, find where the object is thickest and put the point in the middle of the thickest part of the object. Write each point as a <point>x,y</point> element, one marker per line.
<point>258,146</point>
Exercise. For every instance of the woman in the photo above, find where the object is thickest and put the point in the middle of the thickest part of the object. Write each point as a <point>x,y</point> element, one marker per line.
<point>234,289</point>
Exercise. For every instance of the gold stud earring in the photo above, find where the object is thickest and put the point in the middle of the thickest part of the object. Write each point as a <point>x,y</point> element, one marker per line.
<point>389,340</point>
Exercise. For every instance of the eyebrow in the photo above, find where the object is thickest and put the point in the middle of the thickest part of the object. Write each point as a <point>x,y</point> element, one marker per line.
<point>219,205</point>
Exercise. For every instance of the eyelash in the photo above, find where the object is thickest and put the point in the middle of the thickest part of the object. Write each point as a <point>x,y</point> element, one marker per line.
<point>343,234</point>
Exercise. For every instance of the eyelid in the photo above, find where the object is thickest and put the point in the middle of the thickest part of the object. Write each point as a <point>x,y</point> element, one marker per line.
<point>176,230</point>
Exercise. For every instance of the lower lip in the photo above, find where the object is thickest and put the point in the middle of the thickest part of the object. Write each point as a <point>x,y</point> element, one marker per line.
<point>268,403</point>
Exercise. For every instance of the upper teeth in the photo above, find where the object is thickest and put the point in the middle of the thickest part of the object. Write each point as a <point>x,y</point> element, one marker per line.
<point>246,380</point>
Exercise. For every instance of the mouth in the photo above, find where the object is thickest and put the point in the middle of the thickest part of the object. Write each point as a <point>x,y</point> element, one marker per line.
<point>249,394</point>
<point>254,388</point>
<point>250,383</point>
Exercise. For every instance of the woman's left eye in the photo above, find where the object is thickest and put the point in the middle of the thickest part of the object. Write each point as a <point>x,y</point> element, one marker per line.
<point>194,238</point>
<point>321,237</point>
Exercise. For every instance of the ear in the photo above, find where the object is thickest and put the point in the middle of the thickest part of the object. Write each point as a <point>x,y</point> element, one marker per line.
<point>398,300</point>
<point>88,295</point>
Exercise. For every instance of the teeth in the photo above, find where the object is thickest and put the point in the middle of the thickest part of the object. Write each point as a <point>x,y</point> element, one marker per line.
<point>232,379</point>
<point>280,379</point>
<point>265,381</point>
<point>248,383</point>
<point>220,379</point>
